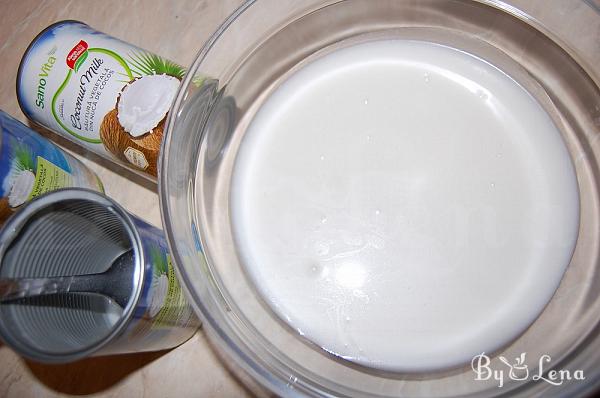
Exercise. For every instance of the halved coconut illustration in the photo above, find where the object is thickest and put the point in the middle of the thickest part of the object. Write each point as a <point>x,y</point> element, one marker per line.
<point>22,185</point>
<point>20,190</point>
<point>21,180</point>
<point>133,130</point>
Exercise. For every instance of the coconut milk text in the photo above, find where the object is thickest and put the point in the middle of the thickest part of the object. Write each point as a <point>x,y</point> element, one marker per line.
<point>83,80</point>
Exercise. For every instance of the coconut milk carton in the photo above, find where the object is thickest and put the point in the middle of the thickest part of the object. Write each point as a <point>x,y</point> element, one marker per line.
<point>98,91</point>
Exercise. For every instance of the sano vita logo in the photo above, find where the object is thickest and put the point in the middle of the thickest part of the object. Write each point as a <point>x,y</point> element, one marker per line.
<point>45,70</point>
<point>519,370</point>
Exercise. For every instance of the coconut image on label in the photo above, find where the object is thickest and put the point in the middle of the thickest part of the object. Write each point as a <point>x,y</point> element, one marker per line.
<point>21,188</point>
<point>20,181</point>
<point>133,130</point>
<point>29,176</point>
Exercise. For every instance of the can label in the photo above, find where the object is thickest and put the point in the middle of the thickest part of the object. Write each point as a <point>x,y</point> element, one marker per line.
<point>95,90</point>
<point>168,305</point>
<point>163,314</point>
<point>30,166</point>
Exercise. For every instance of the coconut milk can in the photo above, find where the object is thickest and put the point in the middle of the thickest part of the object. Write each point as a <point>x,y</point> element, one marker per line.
<point>98,91</point>
<point>66,307</point>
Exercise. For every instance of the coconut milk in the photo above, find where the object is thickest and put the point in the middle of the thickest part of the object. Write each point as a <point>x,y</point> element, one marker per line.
<point>30,166</point>
<point>404,205</point>
<point>99,92</point>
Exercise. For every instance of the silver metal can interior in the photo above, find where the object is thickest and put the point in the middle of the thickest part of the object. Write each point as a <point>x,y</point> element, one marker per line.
<point>73,232</point>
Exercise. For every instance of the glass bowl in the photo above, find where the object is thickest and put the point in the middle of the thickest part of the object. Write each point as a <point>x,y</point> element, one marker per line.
<point>549,47</point>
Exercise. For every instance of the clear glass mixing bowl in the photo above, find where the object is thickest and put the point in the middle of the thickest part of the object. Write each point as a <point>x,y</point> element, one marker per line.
<point>549,47</point>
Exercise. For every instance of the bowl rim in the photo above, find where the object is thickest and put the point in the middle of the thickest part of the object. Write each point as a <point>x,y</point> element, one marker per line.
<point>220,336</point>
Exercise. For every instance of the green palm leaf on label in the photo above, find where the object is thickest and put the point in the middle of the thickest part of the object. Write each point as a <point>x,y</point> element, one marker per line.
<point>22,157</point>
<point>144,63</point>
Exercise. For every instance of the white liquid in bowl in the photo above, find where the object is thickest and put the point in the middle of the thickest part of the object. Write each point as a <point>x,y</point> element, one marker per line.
<point>404,205</point>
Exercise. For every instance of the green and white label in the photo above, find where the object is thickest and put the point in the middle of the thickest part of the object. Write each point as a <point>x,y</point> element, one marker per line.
<point>174,310</point>
<point>49,177</point>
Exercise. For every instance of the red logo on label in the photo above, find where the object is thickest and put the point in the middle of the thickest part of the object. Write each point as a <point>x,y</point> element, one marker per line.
<point>75,53</point>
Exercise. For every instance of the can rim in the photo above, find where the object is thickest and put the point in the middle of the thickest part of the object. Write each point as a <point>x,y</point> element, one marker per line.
<point>13,227</point>
<point>28,51</point>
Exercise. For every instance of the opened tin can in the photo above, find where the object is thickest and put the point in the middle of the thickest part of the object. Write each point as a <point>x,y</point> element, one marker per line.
<point>75,232</point>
